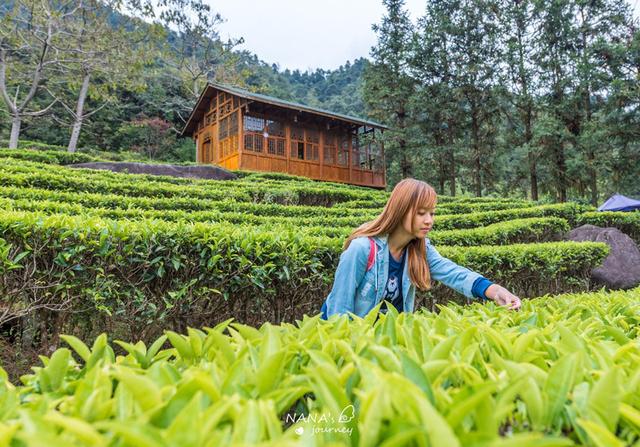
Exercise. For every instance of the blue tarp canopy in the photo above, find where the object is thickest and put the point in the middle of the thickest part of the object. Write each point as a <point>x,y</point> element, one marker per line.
<point>618,202</point>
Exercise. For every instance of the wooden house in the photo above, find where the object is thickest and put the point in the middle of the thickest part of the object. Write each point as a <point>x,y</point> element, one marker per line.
<point>238,129</point>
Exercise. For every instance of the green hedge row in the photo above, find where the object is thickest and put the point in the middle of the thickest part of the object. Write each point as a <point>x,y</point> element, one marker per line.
<point>442,199</point>
<point>88,180</point>
<point>567,211</point>
<point>49,157</point>
<point>537,229</point>
<point>178,203</point>
<point>118,207</point>
<point>448,207</point>
<point>530,269</point>
<point>627,222</point>
<point>65,182</point>
<point>255,180</point>
<point>114,194</point>
<point>145,275</point>
<point>98,154</point>
<point>516,231</point>
<point>33,145</point>
<point>351,193</point>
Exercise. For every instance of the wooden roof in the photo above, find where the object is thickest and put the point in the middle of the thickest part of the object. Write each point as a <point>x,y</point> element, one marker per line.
<point>208,93</point>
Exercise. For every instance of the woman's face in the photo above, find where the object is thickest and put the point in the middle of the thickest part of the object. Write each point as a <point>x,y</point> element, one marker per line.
<point>419,224</point>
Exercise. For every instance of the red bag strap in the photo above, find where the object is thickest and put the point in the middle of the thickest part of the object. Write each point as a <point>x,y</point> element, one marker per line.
<point>372,253</point>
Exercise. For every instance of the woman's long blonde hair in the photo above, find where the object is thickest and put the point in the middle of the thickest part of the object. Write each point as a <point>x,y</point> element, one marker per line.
<point>407,197</point>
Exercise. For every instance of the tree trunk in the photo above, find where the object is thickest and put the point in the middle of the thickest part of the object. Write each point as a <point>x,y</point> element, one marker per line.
<point>591,171</point>
<point>533,164</point>
<point>451,158</point>
<point>477,166</point>
<point>442,171</point>
<point>405,165</point>
<point>561,170</point>
<point>533,176</point>
<point>442,166</point>
<point>591,156</point>
<point>77,125</point>
<point>593,177</point>
<point>16,121</point>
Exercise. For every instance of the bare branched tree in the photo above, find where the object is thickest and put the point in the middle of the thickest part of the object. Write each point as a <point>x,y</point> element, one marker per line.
<point>30,36</point>
<point>197,54</point>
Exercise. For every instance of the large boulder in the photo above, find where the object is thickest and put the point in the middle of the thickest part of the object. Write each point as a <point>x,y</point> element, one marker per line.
<point>196,171</point>
<point>621,269</point>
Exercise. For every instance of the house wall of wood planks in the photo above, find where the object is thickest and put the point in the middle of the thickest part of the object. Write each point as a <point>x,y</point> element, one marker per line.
<point>239,133</point>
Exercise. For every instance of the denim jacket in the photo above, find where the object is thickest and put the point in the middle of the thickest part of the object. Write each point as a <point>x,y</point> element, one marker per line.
<point>358,291</point>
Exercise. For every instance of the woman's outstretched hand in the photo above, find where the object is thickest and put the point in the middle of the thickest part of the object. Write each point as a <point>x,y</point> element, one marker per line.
<point>503,297</point>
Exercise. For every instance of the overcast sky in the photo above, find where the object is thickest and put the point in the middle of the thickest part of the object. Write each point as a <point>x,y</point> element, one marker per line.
<point>309,34</point>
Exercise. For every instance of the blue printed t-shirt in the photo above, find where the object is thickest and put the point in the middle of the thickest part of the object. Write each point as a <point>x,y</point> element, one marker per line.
<point>393,289</point>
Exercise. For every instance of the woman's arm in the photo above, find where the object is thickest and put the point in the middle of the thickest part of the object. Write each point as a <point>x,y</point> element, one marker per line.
<point>349,273</point>
<point>462,279</point>
<point>449,273</point>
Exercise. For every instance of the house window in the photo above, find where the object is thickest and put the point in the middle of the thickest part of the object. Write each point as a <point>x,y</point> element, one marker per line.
<point>312,144</point>
<point>223,129</point>
<point>375,156</point>
<point>329,148</point>
<point>274,128</point>
<point>367,152</point>
<point>253,142</point>
<point>233,124</point>
<point>275,146</point>
<point>355,151</point>
<point>274,132</point>
<point>297,143</point>
<point>253,124</point>
<point>253,133</point>
<point>343,152</point>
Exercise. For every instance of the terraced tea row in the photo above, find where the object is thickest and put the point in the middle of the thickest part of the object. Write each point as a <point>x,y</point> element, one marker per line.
<point>147,274</point>
<point>201,210</point>
<point>35,175</point>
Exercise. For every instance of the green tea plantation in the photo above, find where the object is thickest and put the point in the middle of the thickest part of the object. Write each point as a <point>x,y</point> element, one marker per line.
<point>142,310</point>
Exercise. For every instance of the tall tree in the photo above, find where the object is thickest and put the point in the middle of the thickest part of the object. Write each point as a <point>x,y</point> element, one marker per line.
<point>438,105</point>
<point>519,73</point>
<point>553,55</point>
<point>475,56</point>
<point>388,86</point>
<point>620,114</point>
<point>598,25</point>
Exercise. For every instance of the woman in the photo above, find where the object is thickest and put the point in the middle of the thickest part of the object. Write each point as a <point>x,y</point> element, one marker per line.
<point>387,258</point>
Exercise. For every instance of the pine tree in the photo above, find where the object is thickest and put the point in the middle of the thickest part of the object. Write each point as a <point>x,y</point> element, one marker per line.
<point>388,86</point>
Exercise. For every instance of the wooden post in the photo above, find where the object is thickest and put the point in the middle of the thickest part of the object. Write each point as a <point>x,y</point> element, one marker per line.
<point>321,154</point>
<point>216,142</point>
<point>240,136</point>
<point>384,162</point>
<point>287,144</point>
<point>215,154</point>
<point>349,155</point>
